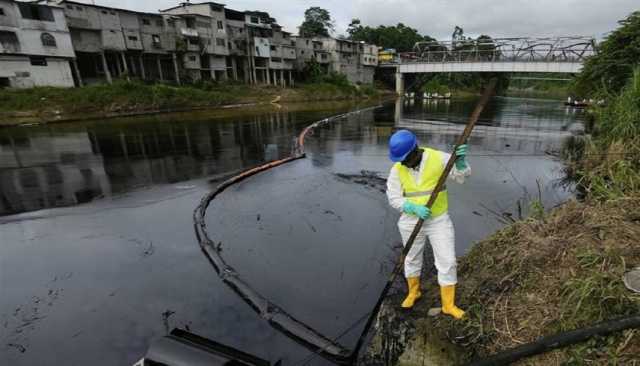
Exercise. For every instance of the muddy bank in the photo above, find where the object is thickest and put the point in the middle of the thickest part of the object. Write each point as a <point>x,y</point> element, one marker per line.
<point>50,105</point>
<point>535,278</point>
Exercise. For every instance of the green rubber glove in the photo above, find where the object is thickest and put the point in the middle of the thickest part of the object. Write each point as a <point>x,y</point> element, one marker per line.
<point>422,212</point>
<point>461,154</point>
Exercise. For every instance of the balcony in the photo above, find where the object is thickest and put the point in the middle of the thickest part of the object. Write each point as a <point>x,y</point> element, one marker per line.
<point>188,32</point>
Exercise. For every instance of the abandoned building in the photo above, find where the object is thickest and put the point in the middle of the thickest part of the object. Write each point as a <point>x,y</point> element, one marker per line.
<point>35,46</point>
<point>81,44</point>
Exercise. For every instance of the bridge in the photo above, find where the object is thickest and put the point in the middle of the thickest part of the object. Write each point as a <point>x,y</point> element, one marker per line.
<point>509,55</point>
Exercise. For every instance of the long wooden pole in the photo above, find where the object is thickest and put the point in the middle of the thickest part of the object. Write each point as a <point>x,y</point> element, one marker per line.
<point>441,182</point>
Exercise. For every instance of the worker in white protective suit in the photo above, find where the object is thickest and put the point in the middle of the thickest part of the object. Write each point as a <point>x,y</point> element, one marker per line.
<point>412,179</point>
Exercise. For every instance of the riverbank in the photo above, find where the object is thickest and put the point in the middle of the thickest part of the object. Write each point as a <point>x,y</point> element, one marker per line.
<point>559,272</point>
<point>122,99</point>
<point>548,274</point>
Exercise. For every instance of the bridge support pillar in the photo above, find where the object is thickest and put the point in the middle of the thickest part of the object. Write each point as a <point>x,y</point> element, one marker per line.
<point>399,83</point>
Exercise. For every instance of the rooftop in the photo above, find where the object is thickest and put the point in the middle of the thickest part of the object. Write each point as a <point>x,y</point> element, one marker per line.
<point>184,5</point>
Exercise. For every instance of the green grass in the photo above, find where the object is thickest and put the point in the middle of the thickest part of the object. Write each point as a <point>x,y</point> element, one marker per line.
<point>119,96</point>
<point>608,165</point>
<point>123,96</point>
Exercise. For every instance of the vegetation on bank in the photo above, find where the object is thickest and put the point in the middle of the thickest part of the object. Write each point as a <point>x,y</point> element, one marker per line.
<point>132,97</point>
<point>608,71</point>
<point>548,275</point>
<point>607,165</point>
<point>564,270</point>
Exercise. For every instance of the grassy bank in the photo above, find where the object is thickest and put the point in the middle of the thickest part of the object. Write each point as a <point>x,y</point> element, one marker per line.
<point>549,275</point>
<point>563,271</point>
<point>123,98</point>
<point>553,272</point>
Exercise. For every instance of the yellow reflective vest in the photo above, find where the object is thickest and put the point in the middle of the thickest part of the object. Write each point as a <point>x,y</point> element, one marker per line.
<point>420,192</point>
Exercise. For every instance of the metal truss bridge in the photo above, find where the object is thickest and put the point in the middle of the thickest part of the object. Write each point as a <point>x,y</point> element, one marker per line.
<point>529,55</point>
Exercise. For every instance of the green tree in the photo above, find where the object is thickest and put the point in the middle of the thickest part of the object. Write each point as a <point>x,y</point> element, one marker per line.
<point>317,23</point>
<point>400,37</point>
<point>613,65</point>
<point>486,47</point>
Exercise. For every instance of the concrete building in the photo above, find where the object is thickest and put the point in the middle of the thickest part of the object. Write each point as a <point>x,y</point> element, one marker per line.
<point>348,57</point>
<point>283,56</point>
<point>86,43</point>
<point>117,43</point>
<point>203,39</point>
<point>308,49</point>
<point>357,60</point>
<point>238,44</point>
<point>35,46</point>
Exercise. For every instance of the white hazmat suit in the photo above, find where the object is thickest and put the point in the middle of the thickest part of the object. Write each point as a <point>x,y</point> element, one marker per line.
<point>439,230</point>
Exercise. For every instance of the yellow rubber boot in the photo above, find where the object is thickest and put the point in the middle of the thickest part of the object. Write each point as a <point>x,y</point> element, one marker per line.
<point>448,295</point>
<point>414,292</point>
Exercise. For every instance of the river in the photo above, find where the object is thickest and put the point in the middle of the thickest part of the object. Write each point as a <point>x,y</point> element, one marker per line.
<point>97,249</point>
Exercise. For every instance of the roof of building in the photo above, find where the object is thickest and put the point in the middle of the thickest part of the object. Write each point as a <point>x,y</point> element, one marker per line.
<point>261,14</point>
<point>234,14</point>
<point>59,2</point>
<point>37,2</point>
<point>185,4</point>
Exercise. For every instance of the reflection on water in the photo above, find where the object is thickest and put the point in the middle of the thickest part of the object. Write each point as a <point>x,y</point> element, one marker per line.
<point>55,166</point>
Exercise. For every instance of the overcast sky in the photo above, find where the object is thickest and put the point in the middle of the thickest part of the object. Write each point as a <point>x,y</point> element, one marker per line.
<point>437,18</point>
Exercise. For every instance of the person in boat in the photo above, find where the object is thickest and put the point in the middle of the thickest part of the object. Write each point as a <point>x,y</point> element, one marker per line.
<point>411,180</point>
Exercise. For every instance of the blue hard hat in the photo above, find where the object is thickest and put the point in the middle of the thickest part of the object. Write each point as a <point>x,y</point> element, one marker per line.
<point>401,144</point>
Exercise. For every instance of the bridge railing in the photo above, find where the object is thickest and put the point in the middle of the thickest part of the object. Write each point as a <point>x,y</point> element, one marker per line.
<point>567,49</point>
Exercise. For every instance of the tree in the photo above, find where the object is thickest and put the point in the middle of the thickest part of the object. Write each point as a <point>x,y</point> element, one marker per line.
<point>609,70</point>
<point>317,23</point>
<point>399,37</point>
<point>486,48</point>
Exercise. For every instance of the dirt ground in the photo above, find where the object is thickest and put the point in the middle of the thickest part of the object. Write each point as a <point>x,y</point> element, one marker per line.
<point>555,274</point>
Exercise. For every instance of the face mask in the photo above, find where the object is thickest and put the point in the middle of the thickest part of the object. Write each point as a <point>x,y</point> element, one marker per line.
<point>413,159</point>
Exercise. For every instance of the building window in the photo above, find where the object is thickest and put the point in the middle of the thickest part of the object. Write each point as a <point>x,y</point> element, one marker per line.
<point>133,38</point>
<point>273,48</point>
<point>105,12</point>
<point>112,12</point>
<point>48,40</point>
<point>220,25</point>
<point>191,23</point>
<point>156,39</point>
<point>323,56</point>
<point>192,58</point>
<point>220,42</point>
<point>9,40</point>
<point>70,7</point>
<point>38,61</point>
<point>36,12</point>
<point>79,8</point>
<point>193,41</point>
<point>146,22</point>
<point>2,11</point>
<point>276,60</point>
<point>255,20</point>
<point>159,23</point>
